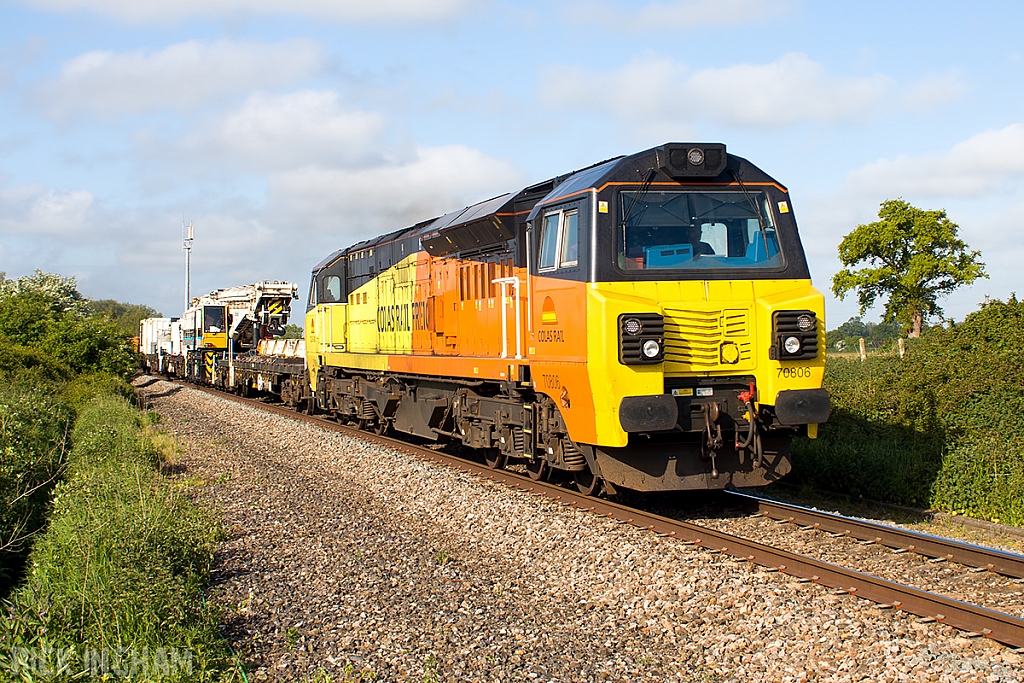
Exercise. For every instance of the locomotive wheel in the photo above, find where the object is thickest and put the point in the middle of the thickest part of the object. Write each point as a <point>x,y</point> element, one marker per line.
<point>587,482</point>
<point>538,469</point>
<point>361,424</point>
<point>380,427</point>
<point>494,458</point>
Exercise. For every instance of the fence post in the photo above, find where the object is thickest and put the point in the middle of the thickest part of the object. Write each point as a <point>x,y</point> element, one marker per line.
<point>863,351</point>
<point>902,348</point>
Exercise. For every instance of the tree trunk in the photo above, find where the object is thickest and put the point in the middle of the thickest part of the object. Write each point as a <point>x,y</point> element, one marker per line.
<point>918,321</point>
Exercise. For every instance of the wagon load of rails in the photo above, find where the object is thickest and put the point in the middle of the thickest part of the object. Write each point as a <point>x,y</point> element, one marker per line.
<point>276,364</point>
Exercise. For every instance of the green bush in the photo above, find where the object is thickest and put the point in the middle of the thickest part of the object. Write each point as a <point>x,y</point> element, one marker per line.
<point>89,345</point>
<point>123,561</point>
<point>940,427</point>
<point>26,366</point>
<point>81,390</point>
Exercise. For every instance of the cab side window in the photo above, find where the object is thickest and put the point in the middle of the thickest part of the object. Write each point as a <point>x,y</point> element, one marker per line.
<point>548,242</point>
<point>332,289</point>
<point>570,240</point>
<point>559,240</point>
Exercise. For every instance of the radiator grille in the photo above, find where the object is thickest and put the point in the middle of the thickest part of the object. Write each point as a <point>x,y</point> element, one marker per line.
<point>694,338</point>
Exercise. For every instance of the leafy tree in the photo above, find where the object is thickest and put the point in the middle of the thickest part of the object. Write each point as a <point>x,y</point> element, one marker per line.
<point>45,325</point>
<point>62,292</point>
<point>25,316</point>
<point>911,257</point>
<point>126,317</point>
<point>89,345</point>
<point>852,330</point>
<point>292,332</point>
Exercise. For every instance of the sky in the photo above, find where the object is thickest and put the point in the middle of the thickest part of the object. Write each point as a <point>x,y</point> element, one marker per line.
<point>285,130</point>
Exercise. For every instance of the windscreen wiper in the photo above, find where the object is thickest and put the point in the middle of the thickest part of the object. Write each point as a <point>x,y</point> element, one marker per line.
<point>757,210</point>
<point>644,187</point>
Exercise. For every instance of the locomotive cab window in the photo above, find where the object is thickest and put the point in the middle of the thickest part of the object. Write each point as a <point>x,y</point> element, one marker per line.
<point>559,240</point>
<point>696,230</point>
<point>332,289</point>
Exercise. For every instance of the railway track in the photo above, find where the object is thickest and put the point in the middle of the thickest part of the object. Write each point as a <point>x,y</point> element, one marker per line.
<point>902,540</point>
<point>972,619</point>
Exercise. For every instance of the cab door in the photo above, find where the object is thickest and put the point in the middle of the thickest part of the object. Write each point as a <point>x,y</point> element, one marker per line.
<point>558,268</point>
<point>559,246</point>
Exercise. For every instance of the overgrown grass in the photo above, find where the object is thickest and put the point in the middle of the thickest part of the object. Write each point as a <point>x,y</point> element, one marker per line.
<point>943,427</point>
<point>120,569</point>
<point>34,440</point>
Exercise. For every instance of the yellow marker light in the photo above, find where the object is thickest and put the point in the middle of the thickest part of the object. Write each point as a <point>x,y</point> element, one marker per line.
<point>730,353</point>
<point>812,431</point>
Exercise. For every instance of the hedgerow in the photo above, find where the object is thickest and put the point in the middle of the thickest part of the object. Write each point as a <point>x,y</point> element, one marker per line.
<point>112,586</point>
<point>943,426</point>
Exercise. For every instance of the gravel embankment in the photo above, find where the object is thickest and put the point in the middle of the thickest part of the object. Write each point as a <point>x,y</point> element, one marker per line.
<point>349,557</point>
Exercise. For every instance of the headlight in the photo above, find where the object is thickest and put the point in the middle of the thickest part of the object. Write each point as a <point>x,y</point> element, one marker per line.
<point>805,323</point>
<point>792,345</point>
<point>651,348</point>
<point>632,326</point>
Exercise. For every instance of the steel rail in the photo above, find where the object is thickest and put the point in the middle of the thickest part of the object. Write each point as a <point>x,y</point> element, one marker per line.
<point>905,540</point>
<point>974,619</point>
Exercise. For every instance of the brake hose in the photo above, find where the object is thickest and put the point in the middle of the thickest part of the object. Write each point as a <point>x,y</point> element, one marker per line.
<point>751,429</point>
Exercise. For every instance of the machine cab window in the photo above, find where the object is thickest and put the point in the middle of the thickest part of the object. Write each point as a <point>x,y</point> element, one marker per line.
<point>213,319</point>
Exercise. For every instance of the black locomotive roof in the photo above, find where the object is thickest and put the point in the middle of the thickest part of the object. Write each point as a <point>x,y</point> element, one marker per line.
<point>493,220</point>
<point>329,260</point>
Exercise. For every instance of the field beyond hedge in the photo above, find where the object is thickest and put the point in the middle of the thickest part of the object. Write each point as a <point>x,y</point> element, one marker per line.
<point>942,427</point>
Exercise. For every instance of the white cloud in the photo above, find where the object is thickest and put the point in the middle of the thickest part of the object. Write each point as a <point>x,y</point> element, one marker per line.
<point>180,76</point>
<point>791,90</point>
<point>36,209</point>
<point>144,11</point>
<point>290,130</point>
<point>412,186</point>
<point>933,91</point>
<point>684,14</point>
<point>974,167</point>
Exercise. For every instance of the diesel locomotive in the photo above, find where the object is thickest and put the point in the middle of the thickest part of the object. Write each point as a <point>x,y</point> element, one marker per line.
<point>647,323</point>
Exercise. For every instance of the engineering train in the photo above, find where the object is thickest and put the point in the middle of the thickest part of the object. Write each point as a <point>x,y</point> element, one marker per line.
<point>646,323</point>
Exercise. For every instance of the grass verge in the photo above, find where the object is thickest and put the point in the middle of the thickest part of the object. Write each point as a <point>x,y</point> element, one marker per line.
<point>113,586</point>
